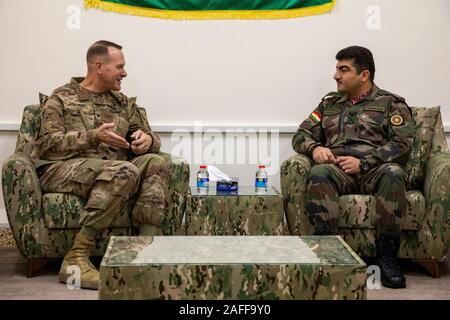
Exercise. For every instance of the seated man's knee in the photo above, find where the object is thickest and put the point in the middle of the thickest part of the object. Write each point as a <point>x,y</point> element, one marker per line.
<point>157,165</point>
<point>321,171</point>
<point>156,159</point>
<point>122,178</point>
<point>393,170</point>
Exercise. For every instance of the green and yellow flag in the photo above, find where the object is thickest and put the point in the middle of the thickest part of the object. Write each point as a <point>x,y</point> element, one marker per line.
<point>215,9</point>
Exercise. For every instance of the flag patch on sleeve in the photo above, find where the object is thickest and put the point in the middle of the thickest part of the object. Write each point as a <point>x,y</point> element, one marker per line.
<point>317,117</point>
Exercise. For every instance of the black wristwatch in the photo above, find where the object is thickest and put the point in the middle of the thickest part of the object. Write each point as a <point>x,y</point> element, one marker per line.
<point>363,165</point>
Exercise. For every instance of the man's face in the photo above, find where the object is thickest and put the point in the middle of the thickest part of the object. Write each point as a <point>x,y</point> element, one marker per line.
<point>347,78</point>
<point>113,70</point>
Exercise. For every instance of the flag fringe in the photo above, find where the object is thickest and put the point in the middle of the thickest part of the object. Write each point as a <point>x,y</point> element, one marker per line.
<point>210,14</point>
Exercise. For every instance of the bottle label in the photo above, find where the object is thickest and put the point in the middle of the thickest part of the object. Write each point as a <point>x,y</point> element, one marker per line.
<point>261,182</point>
<point>202,182</point>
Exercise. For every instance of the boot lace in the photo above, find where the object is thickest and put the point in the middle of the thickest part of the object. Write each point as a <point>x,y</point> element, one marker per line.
<point>390,264</point>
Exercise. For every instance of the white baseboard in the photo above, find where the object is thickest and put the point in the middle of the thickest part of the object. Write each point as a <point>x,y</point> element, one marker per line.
<point>3,218</point>
<point>161,128</point>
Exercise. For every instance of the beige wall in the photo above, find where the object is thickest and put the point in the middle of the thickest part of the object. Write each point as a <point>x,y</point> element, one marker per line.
<point>255,72</point>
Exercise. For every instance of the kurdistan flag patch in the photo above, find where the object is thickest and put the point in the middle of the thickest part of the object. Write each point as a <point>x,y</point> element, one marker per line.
<point>317,117</point>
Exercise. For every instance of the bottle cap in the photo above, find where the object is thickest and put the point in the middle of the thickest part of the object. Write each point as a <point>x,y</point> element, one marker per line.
<point>202,167</point>
<point>261,166</point>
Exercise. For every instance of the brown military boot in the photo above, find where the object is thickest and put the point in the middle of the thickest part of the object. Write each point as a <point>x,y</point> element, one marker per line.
<point>79,256</point>
<point>149,230</point>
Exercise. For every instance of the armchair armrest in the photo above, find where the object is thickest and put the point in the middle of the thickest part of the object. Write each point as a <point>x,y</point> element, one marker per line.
<point>437,170</point>
<point>22,195</point>
<point>177,192</point>
<point>294,174</point>
<point>436,222</point>
<point>298,167</point>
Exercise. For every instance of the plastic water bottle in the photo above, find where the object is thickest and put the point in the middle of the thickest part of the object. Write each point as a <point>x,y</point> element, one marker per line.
<point>261,179</point>
<point>203,179</point>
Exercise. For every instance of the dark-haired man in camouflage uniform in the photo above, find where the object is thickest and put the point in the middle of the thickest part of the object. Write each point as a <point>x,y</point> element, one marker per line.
<point>359,137</point>
<point>95,143</point>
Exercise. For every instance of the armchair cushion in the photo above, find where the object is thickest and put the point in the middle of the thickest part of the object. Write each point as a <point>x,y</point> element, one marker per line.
<point>358,211</point>
<point>62,211</point>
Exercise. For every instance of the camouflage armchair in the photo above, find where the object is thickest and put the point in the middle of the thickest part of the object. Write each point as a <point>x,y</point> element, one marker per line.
<point>44,225</point>
<point>425,236</point>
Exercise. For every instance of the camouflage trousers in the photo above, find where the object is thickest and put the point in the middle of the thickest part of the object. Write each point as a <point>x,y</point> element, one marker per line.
<point>107,184</point>
<point>326,182</point>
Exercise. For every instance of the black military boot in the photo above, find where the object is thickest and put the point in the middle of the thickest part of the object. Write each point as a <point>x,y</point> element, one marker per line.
<point>387,250</point>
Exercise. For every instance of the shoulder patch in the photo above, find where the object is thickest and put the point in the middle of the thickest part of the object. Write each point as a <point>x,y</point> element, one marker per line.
<point>396,120</point>
<point>316,117</point>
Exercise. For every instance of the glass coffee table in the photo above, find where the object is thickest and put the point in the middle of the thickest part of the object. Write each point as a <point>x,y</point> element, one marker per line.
<point>245,212</point>
<point>231,267</point>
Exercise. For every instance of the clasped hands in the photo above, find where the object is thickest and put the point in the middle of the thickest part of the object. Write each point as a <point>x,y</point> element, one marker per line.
<point>140,144</point>
<point>348,164</point>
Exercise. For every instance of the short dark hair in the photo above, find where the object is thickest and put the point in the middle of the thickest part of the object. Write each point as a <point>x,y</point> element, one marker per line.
<point>362,59</point>
<point>100,48</point>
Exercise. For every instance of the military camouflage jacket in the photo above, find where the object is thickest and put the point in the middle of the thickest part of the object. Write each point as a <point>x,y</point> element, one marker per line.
<point>70,116</point>
<point>378,128</point>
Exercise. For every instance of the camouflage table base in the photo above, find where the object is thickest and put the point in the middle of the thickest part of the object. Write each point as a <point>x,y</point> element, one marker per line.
<point>231,267</point>
<point>245,212</point>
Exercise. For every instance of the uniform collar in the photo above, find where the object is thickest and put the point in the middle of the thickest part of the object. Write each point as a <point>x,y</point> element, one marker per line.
<point>361,97</point>
<point>373,93</point>
<point>86,95</point>
<point>370,96</point>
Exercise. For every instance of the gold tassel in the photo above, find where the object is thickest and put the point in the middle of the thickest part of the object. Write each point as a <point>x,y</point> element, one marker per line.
<point>209,14</point>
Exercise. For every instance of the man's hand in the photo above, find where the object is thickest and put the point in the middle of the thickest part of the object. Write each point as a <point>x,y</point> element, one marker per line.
<point>141,142</point>
<point>348,164</point>
<point>106,134</point>
<point>323,155</point>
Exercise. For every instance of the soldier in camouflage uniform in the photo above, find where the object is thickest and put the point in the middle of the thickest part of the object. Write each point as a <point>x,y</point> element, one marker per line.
<point>359,139</point>
<point>94,143</point>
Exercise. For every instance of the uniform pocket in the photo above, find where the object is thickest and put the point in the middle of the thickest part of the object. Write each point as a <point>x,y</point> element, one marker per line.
<point>370,126</point>
<point>330,125</point>
<point>99,200</point>
<point>85,175</point>
<point>79,117</point>
<point>121,124</point>
<point>106,176</point>
<point>72,118</point>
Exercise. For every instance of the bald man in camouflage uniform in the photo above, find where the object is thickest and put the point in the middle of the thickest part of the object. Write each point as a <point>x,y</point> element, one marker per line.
<point>94,143</point>
<point>359,138</point>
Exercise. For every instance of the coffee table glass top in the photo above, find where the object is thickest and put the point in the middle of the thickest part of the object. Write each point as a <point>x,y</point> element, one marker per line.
<point>242,191</point>
<point>217,250</point>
